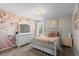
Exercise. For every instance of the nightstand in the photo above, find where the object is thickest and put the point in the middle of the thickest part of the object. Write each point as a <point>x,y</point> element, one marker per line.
<point>66,41</point>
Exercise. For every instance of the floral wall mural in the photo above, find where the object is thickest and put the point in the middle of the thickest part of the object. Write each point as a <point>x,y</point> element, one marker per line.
<point>9,26</point>
<point>13,20</point>
<point>9,18</point>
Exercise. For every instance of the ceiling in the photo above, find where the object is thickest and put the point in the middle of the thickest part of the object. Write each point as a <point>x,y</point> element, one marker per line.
<point>52,9</point>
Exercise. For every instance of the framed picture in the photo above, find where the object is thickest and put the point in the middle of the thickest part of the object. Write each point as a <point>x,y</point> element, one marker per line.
<point>52,23</point>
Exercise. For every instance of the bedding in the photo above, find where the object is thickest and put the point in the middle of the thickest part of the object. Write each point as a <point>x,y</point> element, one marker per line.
<point>46,44</point>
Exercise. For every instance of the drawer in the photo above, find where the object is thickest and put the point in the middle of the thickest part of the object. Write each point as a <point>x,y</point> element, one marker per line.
<point>23,39</point>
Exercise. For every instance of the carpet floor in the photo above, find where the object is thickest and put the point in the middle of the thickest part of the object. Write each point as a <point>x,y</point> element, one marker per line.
<point>28,51</point>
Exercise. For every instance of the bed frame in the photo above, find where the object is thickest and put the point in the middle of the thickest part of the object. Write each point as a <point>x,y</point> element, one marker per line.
<point>45,50</point>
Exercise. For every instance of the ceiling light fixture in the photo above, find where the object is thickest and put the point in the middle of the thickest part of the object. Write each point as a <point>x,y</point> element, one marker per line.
<point>38,13</point>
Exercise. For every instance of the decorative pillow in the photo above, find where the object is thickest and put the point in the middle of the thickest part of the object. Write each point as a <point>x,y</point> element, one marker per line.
<point>52,34</point>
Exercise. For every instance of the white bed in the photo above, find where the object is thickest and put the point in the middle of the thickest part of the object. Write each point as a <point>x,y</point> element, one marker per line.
<point>47,44</point>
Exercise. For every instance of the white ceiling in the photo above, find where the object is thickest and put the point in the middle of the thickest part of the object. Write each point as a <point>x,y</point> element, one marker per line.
<point>52,9</point>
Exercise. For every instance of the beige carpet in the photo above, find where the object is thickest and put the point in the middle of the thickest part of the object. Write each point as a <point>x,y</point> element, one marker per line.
<point>28,51</point>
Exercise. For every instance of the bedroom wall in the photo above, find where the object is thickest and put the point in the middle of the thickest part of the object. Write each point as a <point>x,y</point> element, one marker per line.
<point>64,25</point>
<point>13,20</point>
<point>9,18</point>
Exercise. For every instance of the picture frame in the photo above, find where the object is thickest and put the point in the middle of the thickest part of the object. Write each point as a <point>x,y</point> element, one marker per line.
<point>53,23</point>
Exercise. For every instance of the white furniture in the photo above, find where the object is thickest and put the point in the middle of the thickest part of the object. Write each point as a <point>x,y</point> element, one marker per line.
<point>49,47</point>
<point>25,32</point>
<point>22,39</point>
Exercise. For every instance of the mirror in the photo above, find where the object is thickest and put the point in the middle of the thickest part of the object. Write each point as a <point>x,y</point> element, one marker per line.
<point>40,28</point>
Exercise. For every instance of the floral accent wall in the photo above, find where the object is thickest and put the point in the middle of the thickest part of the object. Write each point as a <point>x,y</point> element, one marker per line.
<point>13,20</point>
<point>10,18</point>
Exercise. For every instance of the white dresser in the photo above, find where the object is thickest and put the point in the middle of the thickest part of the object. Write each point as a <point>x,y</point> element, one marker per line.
<point>22,39</point>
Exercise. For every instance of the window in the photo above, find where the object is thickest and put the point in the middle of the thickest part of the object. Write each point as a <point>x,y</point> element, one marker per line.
<point>24,28</point>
